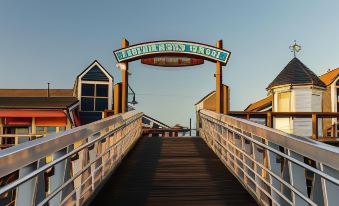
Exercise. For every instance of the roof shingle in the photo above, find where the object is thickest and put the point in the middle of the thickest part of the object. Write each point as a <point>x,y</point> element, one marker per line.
<point>36,92</point>
<point>37,102</point>
<point>296,73</point>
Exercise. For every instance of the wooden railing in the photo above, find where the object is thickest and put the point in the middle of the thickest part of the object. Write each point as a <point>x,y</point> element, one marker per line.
<point>315,116</point>
<point>165,132</point>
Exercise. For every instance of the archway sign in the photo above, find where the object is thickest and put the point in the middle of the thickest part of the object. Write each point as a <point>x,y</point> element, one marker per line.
<point>171,53</point>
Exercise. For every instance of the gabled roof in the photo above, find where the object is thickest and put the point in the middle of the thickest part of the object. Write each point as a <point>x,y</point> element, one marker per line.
<point>205,97</point>
<point>35,92</point>
<point>261,104</point>
<point>94,71</point>
<point>296,73</point>
<point>330,76</point>
<point>37,102</point>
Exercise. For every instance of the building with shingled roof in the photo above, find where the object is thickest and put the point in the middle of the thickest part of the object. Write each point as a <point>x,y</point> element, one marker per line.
<point>295,89</point>
<point>298,89</point>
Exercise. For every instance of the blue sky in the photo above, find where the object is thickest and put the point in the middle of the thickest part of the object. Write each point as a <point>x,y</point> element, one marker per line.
<point>53,41</point>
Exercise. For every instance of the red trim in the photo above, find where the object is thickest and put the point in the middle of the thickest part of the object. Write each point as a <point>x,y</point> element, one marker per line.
<point>51,121</point>
<point>76,118</point>
<point>18,121</point>
<point>31,113</point>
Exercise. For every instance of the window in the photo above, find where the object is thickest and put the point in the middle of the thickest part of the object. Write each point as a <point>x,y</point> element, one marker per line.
<point>284,102</point>
<point>101,90</point>
<point>51,130</point>
<point>101,104</point>
<point>40,130</point>
<point>47,130</point>
<point>87,104</point>
<point>94,97</point>
<point>87,90</point>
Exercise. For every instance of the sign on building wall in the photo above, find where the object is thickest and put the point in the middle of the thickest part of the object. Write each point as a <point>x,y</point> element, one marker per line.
<point>144,50</point>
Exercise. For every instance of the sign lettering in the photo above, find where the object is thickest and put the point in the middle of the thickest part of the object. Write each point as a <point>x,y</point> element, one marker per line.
<point>174,47</point>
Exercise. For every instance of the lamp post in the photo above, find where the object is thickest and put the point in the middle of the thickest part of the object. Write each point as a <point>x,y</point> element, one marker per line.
<point>133,102</point>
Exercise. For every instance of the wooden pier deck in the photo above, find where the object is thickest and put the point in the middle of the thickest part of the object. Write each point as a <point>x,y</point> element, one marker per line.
<point>172,171</point>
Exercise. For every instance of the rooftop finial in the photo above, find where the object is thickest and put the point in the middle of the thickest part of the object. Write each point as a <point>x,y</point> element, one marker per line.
<point>48,93</point>
<point>295,48</point>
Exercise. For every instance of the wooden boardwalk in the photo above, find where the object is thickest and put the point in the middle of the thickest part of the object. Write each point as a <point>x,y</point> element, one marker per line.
<point>172,171</point>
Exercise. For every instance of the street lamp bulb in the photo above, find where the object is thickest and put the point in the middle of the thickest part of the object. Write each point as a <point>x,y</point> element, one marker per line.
<point>121,66</point>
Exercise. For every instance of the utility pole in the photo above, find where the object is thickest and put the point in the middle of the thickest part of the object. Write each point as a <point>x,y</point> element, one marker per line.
<point>190,126</point>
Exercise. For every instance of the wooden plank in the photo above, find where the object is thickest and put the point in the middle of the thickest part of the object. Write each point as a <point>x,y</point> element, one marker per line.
<point>172,171</point>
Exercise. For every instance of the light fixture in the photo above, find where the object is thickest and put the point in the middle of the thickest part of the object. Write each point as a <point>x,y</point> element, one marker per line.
<point>133,102</point>
<point>121,66</point>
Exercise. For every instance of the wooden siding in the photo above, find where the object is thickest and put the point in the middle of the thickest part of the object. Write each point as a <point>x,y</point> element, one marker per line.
<point>95,74</point>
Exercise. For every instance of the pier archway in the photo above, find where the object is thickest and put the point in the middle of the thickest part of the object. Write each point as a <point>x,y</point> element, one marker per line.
<point>170,53</point>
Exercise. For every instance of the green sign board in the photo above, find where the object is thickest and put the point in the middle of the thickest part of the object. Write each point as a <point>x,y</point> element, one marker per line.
<point>140,51</point>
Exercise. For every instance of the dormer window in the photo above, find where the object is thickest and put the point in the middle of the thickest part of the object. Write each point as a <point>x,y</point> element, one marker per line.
<point>95,92</point>
<point>94,97</point>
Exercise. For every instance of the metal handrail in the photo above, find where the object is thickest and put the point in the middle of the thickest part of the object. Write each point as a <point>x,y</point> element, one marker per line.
<point>216,130</point>
<point>24,154</point>
<point>268,171</point>
<point>54,193</point>
<point>312,149</point>
<point>54,162</point>
<point>96,133</point>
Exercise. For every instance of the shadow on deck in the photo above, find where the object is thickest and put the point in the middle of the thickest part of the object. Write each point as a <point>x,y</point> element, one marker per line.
<point>172,171</point>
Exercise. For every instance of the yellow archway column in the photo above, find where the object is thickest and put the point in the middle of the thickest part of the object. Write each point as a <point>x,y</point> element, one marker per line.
<point>219,88</point>
<point>124,79</point>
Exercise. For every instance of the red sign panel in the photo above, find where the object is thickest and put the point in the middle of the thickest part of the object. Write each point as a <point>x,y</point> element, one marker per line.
<point>169,61</point>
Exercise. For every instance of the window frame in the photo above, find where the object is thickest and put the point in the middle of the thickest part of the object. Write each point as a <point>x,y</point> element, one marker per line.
<point>95,95</point>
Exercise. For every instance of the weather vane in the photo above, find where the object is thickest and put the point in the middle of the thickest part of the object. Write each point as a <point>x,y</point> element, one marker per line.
<point>295,48</point>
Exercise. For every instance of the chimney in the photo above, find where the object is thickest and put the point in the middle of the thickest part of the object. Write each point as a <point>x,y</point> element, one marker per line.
<point>48,94</point>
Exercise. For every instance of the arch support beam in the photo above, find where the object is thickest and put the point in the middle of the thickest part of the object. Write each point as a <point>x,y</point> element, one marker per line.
<point>219,87</point>
<point>124,79</point>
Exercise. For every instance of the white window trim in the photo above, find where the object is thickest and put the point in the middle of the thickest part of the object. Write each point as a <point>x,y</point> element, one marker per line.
<point>109,83</point>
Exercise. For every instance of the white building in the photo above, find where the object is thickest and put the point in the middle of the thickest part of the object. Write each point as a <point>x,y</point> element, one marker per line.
<point>295,89</point>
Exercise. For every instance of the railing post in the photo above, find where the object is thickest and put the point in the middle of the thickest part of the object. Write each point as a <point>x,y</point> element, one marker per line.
<point>314,126</point>
<point>297,178</point>
<point>117,98</point>
<point>269,119</point>
<point>25,194</point>
<point>275,166</point>
<point>59,176</point>
<point>317,194</point>
<point>226,99</point>
<point>258,155</point>
<point>330,190</point>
